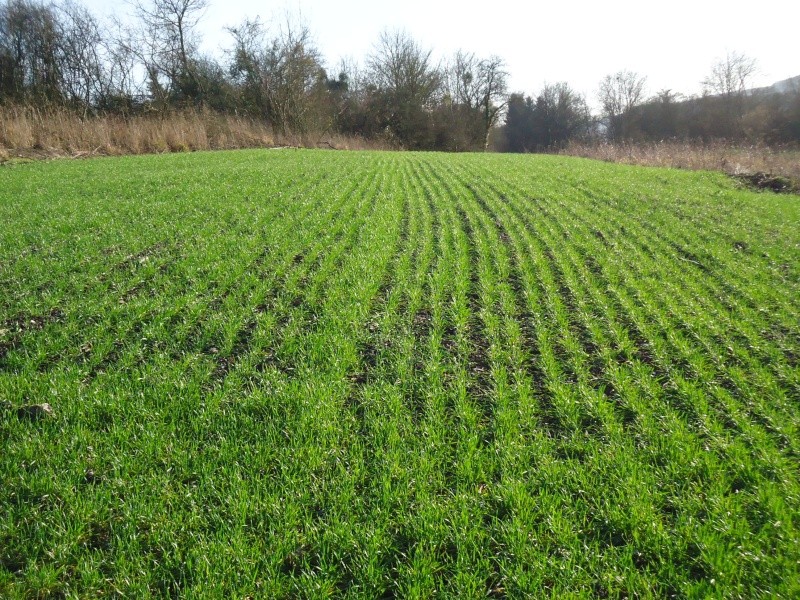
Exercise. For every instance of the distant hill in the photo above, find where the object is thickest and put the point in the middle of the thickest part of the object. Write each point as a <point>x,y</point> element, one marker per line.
<point>781,87</point>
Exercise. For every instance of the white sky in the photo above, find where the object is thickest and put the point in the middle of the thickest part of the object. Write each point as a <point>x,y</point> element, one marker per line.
<point>577,41</point>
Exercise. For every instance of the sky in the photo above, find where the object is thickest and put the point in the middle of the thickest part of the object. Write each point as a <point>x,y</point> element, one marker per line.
<point>674,45</point>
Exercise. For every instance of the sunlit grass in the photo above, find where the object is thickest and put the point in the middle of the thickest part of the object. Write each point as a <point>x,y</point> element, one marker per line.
<point>313,374</point>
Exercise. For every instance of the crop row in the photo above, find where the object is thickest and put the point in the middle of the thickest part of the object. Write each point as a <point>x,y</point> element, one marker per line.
<point>330,374</point>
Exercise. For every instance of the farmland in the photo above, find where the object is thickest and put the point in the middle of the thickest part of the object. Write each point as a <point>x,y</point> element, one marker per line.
<point>320,374</point>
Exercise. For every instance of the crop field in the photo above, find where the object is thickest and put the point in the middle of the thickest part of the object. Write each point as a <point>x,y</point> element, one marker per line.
<point>319,374</point>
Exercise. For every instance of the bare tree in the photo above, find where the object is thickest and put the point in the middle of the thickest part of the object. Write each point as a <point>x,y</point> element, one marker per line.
<point>83,71</point>
<point>493,90</point>
<point>123,87</point>
<point>459,79</point>
<point>246,66</point>
<point>293,74</point>
<point>406,81</point>
<point>726,88</point>
<point>59,52</point>
<point>282,78</point>
<point>480,85</point>
<point>399,64</point>
<point>619,95</point>
<point>730,76</point>
<point>30,43</point>
<point>459,112</point>
<point>559,114</point>
<point>345,95</point>
<point>167,46</point>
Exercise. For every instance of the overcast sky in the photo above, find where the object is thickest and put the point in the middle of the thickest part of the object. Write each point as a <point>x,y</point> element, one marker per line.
<point>579,42</point>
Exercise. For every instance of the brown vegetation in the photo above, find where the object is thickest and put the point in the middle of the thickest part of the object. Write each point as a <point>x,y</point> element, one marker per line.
<point>157,91</point>
<point>34,132</point>
<point>739,160</point>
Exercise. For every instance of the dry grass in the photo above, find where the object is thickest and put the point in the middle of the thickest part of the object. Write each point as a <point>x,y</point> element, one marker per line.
<point>33,132</point>
<point>730,158</point>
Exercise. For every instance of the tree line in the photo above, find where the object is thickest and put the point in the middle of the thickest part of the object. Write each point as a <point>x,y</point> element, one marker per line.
<point>60,54</point>
<point>728,109</point>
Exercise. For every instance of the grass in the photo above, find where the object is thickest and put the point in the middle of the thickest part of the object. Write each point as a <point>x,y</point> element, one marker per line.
<point>739,160</point>
<point>321,374</point>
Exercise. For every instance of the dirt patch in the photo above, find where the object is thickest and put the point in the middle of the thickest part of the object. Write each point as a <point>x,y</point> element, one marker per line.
<point>766,181</point>
<point>12,330</point>
<point>35,412</point>
<point>141,257</point>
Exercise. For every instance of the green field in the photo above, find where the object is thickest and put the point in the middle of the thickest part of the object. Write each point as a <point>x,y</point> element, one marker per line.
<point>319,374</point>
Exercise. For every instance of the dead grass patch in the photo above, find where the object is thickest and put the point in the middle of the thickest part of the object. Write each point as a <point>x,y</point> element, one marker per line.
<point>745,162</point>
<point>45,133</point>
